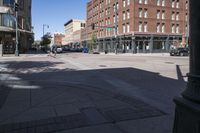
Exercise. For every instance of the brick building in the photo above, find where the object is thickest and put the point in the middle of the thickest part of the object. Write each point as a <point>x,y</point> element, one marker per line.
<point>58,37</point>
<point>142,25</point>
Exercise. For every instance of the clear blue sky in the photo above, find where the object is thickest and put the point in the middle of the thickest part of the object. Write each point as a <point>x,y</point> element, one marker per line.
<point>55,13</point>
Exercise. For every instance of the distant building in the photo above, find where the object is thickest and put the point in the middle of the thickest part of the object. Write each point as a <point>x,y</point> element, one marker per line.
<point>58,37</point>
<point>73,32</point>
<point>142,25</point>
<point>7,25</point>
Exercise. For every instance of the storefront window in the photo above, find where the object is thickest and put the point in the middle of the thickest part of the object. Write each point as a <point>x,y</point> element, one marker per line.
<point>8,2</point>
<point>7,20</point>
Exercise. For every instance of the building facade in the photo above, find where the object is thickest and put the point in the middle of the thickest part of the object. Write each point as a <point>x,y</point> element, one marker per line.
<point>141,25</point>
<point>7,25</point>
<point>58,37</point>
<point>73,32</point>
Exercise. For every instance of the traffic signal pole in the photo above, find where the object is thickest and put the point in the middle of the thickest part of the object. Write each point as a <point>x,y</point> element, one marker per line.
<point>116,25</point>
<point>16,20</point>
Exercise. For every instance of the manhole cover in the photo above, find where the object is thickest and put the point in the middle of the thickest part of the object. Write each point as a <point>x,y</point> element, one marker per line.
<point>102,66</point>
<point>169,62</point>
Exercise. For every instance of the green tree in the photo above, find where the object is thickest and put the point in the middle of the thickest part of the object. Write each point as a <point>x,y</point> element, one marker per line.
<point>93,42</point>
<point>46,39</point>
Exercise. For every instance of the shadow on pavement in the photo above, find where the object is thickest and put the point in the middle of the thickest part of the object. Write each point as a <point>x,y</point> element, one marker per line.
<point>132,90</point>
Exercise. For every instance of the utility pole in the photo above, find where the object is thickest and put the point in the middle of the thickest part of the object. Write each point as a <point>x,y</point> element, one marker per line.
<point>16,20</point>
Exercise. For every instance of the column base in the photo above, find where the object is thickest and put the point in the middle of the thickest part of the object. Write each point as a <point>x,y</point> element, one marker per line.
<point>187,116</point>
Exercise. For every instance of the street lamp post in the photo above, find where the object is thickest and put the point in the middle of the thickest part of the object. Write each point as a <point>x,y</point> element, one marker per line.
<point>116,25</point>
<point>187,117</point>
<point>16,20</point>
<point>44,27</point>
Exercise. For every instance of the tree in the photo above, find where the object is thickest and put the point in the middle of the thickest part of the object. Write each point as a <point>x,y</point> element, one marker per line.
<point>46,39</point>
<point>93,42</point>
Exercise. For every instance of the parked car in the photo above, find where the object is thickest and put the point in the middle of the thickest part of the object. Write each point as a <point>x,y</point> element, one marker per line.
<point>179,52</point>
<point>59,50</point>
<point>85,50</point>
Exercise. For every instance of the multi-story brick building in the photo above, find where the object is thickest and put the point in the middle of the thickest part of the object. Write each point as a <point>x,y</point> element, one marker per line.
<point>7,25</point>
<point>142,25</point>
<point>58,37</point>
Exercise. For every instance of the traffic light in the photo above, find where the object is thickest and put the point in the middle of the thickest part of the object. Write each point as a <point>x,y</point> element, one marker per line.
<point>93,26</point>
<point>16,7</point>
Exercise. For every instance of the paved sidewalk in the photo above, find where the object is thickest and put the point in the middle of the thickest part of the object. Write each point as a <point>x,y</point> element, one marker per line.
<point>44,94</point>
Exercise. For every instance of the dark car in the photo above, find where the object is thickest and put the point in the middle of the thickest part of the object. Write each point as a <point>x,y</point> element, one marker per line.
<point>179,52</point>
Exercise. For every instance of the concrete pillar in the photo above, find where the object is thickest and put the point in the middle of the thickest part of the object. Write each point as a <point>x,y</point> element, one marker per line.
<point>1,49</point>
<point>144,47</point>
<point>112,45</point>
<point>133,45</point>
<point>167,44</point>
<point>104,44</point>
<point>187,117</point>
<point>151,45</point>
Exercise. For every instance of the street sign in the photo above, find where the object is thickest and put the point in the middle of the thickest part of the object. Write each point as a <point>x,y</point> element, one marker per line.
<point>109,28</point>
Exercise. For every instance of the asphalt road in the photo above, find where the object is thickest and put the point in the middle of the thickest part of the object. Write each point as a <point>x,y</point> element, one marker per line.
<point>75,92</point>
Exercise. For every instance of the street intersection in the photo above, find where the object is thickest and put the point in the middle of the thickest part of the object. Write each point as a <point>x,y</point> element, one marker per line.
<point>75,92</point>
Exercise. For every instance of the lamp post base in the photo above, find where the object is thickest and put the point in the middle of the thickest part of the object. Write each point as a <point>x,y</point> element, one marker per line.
<point>16,53</point>
<point>187,116</point>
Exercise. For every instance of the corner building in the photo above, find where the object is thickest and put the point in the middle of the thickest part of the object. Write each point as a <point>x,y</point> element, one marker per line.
<point>7,26</point>
<point>143,26</point>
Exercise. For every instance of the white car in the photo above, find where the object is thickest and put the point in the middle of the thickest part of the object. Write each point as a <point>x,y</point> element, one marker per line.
<point>59,50</point>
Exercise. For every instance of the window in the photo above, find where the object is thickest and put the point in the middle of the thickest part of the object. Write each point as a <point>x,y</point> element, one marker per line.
<point>117,6</point>
<point>8,2</point>
<point>117,18</point>
<point>145,13</point>
<point>109,21</point>
<point>145,1</point>
<point>114,8</point>
<point>177,4</point>
<point>163,14</point>
<point>158,27</point>
<point>177,16</point>
<point>158,14</point>
<point>128,2</point>
<point>114,19</point>
<point>124,28</point>
<point>128,14</point>
<point>8,20</point>
<point>140,12</point>
<point>163,2</point>
<point>177,28</point>
<point>173,28</point>
<point>140,1</point>
<point>173,15</point>
<point>140,26</point>
<point>163,27</point>
<point>145,27</point>
<point>124,3</point>
<point>186,5</point>
<point>158,2</point>
<point>173,3</point>
<point>186,17</point>
<point>128,27</point>
<point>124,16</point>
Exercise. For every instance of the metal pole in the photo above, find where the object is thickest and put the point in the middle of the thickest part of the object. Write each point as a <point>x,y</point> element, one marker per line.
<point>43,31</point>
<point>116,24</point>
<point>16,49</point>
<point>187,113</point>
